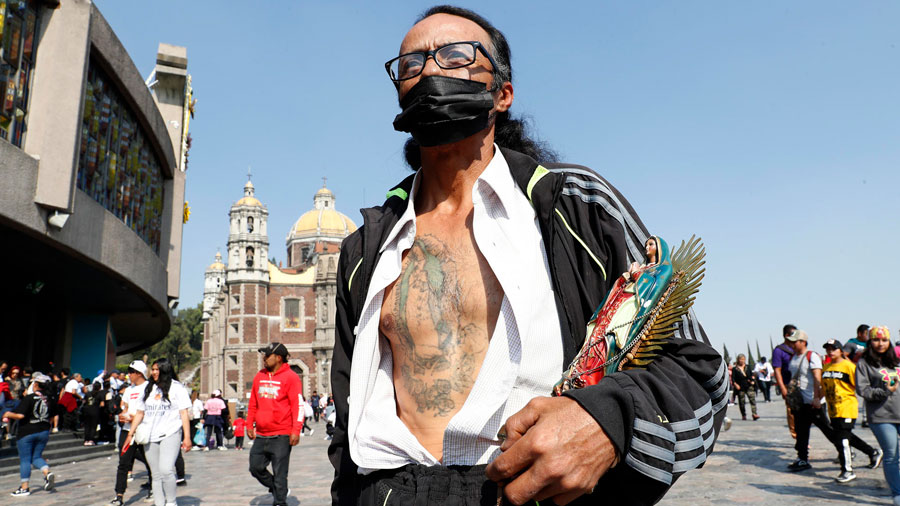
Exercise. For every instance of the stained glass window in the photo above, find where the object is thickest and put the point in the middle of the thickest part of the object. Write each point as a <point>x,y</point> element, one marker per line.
<point>18,24</point>
<point>117,165</point>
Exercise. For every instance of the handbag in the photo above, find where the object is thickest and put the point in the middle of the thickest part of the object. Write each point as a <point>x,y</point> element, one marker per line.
<point>141,434</point>
<point>794,397</point>
<point>229,433</point>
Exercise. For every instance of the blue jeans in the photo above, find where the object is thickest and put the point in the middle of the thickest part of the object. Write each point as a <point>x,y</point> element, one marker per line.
<point>887,436</point>
<point>30,449</point>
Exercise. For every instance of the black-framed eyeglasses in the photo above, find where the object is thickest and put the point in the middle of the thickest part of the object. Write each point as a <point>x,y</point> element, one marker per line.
<point>451,56</point>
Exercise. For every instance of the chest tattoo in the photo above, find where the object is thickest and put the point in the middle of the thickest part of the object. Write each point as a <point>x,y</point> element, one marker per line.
<point>430,298</point>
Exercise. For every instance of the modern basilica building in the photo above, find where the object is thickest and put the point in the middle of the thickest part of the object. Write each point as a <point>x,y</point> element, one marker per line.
<point>92,160</point>
<point>251,302</point>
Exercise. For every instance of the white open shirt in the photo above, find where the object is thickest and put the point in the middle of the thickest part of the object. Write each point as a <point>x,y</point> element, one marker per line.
<point>524,358</point>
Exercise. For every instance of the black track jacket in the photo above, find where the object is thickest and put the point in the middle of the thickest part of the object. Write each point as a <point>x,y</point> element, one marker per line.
<point>663,420</point>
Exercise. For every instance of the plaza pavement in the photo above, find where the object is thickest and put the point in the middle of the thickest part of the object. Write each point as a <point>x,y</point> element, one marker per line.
<point>748,466</point>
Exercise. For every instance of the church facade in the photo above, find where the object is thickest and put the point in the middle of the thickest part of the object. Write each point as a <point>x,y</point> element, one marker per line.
<point>249,301</point>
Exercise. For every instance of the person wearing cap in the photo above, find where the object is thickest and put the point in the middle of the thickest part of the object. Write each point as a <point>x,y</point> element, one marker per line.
<point>34,413</point>
<point>781,357</point>
<point>806,373</point>
<point>137,375</point>
<point>214,422</point>
<point>839,381</point>
<point>273,420</point>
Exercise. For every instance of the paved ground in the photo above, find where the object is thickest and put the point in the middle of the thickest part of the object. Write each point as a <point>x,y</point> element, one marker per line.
<point>747,467</point>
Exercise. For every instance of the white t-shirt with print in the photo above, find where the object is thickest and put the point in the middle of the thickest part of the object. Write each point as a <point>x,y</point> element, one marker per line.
<point>164,417</point>
<point>802,370</point>
<point>130,397</point>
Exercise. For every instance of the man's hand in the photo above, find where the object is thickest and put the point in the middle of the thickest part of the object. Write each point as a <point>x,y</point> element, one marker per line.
<point>251,433</point>
<point>554,449</point>
<point>295,438</point>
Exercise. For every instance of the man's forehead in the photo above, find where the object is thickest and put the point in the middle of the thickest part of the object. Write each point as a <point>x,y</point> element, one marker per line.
<point>440,29</point>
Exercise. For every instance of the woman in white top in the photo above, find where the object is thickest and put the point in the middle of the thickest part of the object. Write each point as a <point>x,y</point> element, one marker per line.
<point>164,407</point>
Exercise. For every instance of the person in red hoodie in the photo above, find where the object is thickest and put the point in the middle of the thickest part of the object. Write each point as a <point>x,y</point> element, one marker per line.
<point>272,420</point>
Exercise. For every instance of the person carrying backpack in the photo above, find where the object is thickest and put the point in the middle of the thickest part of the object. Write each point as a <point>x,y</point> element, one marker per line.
<point>804,397</point>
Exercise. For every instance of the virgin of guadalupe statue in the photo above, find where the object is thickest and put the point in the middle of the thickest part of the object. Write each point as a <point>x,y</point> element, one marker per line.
<point>639,313</point>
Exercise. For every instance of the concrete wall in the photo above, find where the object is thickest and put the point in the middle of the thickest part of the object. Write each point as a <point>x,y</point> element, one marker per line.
<point>40,178</point>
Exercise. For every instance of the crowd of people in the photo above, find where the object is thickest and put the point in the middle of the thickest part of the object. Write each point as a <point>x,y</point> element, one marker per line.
<point>151,417</point>
<point>847,382</point>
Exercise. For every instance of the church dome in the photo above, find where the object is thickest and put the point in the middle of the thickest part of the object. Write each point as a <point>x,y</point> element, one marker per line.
<point>323,219</point>
<point>248,199</point>
<point>217,265</point>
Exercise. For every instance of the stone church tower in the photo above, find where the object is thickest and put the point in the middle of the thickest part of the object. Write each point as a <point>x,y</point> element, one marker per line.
<point>260,302</point>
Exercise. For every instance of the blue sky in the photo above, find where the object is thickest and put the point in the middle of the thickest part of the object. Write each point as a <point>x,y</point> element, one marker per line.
<point>769,129</point>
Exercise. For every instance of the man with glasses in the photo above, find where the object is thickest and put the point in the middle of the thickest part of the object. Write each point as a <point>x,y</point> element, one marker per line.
<point>463,297</point>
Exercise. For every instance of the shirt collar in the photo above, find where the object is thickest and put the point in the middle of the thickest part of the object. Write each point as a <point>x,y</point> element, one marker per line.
<point>495,177</point>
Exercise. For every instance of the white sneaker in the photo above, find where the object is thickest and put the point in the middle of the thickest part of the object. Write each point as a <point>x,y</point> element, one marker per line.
<point>222,448</point>
<point>312,431</point>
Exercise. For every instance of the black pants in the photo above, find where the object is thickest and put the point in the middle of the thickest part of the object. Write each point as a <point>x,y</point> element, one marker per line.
<point>845,438</point>
<point>238,441</point>
<point>277,450</point>
<point>417,484</point>
<point>194,428</point>
<point>316,413</point>
<point>91,418</point>
<point>126,462</point>
<point>209,432</point>
<point>765,387</point>
<point>805,418</point>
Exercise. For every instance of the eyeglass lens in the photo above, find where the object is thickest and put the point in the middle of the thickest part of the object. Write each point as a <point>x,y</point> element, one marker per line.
<point>450,56</point>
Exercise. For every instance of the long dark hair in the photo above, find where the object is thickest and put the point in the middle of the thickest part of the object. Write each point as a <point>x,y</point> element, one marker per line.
<point>887,359</point>
<point>166,376</point>
<point>510,132</point>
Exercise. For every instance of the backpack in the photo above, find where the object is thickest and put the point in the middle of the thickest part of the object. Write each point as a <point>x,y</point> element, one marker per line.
<point>794,397</point>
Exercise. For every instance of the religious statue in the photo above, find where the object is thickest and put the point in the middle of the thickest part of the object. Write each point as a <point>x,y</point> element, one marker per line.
<point>639,314</point>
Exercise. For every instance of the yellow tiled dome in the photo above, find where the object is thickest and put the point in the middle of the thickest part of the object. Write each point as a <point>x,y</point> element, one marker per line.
<point>323,219</point>
<point>217,265</point>
<point>249,201</point>
<point>323,222</point>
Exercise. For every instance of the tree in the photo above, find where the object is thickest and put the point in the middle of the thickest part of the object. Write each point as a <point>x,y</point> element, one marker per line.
<point>758,354</point>
<point>183,343</point>
<point>725,354</point>
<point>750,362</point>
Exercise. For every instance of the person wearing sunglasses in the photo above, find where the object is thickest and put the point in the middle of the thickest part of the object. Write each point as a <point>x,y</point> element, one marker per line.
<point>463,297</point>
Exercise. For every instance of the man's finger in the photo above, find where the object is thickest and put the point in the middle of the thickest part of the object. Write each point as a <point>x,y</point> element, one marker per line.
<point>511,462</point>
<point>518,424</point>
<point>525,487</point>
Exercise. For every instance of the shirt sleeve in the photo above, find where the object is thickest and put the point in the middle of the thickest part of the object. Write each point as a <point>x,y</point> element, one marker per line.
<point>815,361</point>
<point>294,395</point>
<point>139,401</point>
<point>868,391</point>
<point>182,400</point>
<point>252,404</point>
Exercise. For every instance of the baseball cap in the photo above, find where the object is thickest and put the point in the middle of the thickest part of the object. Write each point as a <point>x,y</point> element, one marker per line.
<point>276,348</point>
<point>40,377</point>
<point>217,392</point>
<point>798,335</point>
<point>139,366</point>
<point>832,343</point>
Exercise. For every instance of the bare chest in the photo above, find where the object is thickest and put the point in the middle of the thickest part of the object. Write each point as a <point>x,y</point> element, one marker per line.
<point>438,317</point>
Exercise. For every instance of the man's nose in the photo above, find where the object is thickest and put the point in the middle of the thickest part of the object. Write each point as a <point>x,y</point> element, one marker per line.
<point>431,67</point>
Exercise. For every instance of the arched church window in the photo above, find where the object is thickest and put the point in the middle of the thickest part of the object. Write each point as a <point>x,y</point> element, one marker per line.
<point>250,224</point>
<point>250,256</point>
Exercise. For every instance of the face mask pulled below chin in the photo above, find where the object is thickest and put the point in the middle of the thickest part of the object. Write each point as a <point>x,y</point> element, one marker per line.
<point>441,110</point>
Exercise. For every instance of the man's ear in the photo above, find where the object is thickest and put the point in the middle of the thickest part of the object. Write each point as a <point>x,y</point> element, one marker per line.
<point>503,97</point>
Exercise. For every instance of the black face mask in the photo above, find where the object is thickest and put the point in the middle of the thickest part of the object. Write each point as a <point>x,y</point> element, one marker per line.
<point>440,110</point>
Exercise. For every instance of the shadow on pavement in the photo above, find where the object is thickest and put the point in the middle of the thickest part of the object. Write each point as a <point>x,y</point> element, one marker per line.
<point>264,500</point>
<point>832,492</point>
